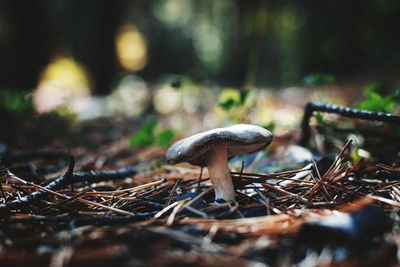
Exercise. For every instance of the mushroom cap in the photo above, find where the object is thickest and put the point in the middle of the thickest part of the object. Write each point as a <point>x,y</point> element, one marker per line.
<point>239,139</point>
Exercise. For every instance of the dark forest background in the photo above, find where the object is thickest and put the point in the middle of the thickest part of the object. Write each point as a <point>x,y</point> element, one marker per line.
<point>237,43</point>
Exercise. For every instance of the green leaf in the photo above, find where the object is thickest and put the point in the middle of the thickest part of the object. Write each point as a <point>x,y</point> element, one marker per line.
<point>243,96</point>
<point>231,98</point>
<point>270,126</point>
<point>164,137</point>
<point>227,104</point>
<point>144,136</point>
<point>319,118</point>
<point>148,127</point>
<point>17,101</point>
<point>374,101</point>
<point>140,139</point>
<point>147,136</point>
<point>319,78</point>
<point>370,87</point>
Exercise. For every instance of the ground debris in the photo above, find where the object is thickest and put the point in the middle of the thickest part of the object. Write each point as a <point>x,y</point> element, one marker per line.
<point>158,216</point>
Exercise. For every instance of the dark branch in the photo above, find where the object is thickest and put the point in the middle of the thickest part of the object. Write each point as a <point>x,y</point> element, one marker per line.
<point>311,107</point>
<point>69,178</point>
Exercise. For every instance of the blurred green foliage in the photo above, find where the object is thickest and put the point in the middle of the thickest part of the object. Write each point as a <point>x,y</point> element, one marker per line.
<point>16,101</point>
<point>148,135</point>
<point>270,126</point>
<point>318,117</point>
<point>329,125</point>
<point>374,101</point>
<point>144,136</point>
<point>231,98</point>
<point>237,106</point>
<point>316,79</point>
<point>164,137</point>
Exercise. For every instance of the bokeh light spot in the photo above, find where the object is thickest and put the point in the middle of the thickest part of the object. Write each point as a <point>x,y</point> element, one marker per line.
<point>131,48</point>
<point>60,82</point>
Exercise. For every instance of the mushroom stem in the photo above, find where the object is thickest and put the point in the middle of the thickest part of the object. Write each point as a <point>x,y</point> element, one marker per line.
<point>220,174</point>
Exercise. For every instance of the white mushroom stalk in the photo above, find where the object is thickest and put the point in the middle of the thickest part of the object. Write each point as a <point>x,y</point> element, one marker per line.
<point>220,174</point>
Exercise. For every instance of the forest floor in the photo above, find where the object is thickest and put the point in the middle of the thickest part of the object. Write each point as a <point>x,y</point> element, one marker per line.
<point>333,202</point>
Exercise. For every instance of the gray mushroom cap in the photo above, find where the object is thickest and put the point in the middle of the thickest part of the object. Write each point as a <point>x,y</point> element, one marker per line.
<point>240,139</point>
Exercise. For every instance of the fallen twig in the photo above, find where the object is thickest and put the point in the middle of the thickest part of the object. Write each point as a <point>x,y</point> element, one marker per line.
<point>67,179</point>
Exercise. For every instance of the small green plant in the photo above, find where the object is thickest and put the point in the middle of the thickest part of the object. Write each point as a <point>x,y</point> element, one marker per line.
<point>16,101</point>
<point>164,137</point>
<point>318,78</point>
<point>234,105</point>
<point>319,118</point>
<point>148,135</point>
<point>374,101</point>
<point>144,136</point>
<point>230,98</point>
<point>270,126</point>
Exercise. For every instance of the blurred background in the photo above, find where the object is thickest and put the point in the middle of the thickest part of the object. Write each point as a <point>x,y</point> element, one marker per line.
<point>231,42</point>
<point>185,55</point>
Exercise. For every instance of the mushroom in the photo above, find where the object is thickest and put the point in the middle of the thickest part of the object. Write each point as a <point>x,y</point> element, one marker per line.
<point>213,148</point>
